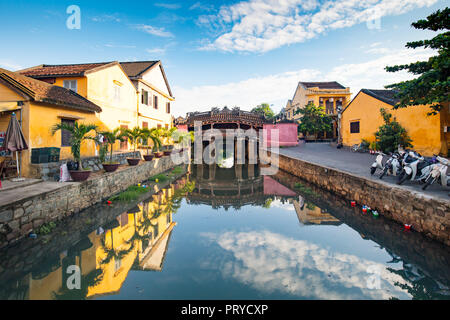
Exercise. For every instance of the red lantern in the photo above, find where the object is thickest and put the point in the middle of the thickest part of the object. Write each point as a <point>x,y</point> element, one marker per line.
<point>108,202</point>
<point>408,226</point>
<point>353,203</point>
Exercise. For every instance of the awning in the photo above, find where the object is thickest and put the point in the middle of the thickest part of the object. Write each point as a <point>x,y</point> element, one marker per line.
<point>9,106</point>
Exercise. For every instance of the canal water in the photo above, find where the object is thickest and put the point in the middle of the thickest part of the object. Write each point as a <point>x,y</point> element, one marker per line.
<point>227,233</point>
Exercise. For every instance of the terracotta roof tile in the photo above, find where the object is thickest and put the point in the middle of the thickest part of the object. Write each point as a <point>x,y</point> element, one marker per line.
<point>46,70</point>
<point>43,92</point>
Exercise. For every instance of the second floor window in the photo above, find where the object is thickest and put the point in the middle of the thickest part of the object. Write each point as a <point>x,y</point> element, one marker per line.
<point>70,84</point>
<point>168,107</point>
<point>155,102</point>
<point>144,97</point>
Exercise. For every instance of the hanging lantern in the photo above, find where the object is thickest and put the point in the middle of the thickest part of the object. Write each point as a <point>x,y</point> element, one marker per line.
<point>353,203</point>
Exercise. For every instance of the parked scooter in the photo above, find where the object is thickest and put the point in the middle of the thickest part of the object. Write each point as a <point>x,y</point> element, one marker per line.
<point>392,166</point>
<point>438,173</point>
<point>415,167</point>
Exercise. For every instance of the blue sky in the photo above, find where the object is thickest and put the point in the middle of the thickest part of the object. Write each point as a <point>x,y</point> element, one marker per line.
<point>224,52</point>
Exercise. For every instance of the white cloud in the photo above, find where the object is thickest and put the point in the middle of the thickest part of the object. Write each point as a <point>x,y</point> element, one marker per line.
<point>278,88</point>
<point>172,6</point>
<point>245,94</point>
<point>159,32</point>
<point>106,18</point>
<point>271,262</point>
<point>7,64</point>
<point>263,25</point>
<point>201,6</point>
<point>156,51</point>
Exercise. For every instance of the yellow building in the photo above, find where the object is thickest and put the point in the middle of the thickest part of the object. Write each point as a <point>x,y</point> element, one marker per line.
<point>129,93</point>
<point>38,106</point>
<point>155,95</point>
<point>331,95</point>
<point>362,118</point>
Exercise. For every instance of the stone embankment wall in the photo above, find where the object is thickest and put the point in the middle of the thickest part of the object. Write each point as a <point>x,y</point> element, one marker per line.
<point>18,218</point>
<point>50,171</point>
<point>428,215</point>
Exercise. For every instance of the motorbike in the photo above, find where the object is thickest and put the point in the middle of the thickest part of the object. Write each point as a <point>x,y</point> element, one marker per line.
<point>415,167</point>
<point>393,164</point>
<point>438,173</point>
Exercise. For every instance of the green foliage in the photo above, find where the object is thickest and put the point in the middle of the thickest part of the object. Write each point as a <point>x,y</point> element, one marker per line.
<point>267,203</point>
<point>391,134</point>
<point>177,170</point>
<point>111,137</point>
<point>304,189</point>
<point>132,193</point>
<point>46,228</point>
<point>153,134</point>
<point>264,108</point>
<point>133,135</point>
<point>433,84</point>
<point>78,134</point>
<point>314,120</point>
<point>161,177</point>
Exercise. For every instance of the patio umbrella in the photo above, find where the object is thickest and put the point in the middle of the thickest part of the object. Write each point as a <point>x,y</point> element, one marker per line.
<point>14,139</point>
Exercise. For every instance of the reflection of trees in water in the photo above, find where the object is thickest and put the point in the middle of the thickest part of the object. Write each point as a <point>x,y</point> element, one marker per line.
<point>417,283</point>
<point>92,279</point>
<point>112,253</point>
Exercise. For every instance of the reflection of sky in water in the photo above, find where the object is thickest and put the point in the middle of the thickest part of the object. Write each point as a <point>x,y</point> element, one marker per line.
<point>272,262</point>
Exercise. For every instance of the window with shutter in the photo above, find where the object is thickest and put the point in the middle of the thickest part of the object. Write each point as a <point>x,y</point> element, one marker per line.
<point>66,135</point>
<point>155,102</point>
<point>168,107</point>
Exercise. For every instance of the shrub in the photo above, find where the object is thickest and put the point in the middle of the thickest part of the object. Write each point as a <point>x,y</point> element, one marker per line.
<point>391,134</point>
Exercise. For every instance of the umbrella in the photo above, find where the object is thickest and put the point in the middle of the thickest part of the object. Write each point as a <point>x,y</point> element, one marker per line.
<point>14,139</point>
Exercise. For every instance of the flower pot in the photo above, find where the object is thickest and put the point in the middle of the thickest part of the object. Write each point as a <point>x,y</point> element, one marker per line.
<point>148,157</point>
<point>81,175</point>
<point>133,161</point>
<point>158,154</point>
<point>110,167</point>
<point>167,152</point>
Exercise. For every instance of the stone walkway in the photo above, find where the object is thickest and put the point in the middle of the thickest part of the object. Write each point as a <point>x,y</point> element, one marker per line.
<point>353,162</point>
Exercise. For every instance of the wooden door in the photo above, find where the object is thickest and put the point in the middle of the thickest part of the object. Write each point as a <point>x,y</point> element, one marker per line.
<point>124,143</point>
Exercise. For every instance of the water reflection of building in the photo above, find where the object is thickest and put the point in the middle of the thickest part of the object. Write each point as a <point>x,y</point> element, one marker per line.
<point>223,187</point>
<point>310,214</point>
<point>137,239</point>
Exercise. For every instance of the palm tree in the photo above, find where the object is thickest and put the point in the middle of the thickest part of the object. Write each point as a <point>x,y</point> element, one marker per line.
<point>157,134</point>
<point>78,134</point>
<point>152,135</point>
<point>111,138</point>
<point>133,135</point>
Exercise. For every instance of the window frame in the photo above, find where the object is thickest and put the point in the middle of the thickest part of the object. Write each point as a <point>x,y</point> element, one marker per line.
<point>66,134</point>
<point>155,102</point>
<point>68,84</point>
<point>353,130</point>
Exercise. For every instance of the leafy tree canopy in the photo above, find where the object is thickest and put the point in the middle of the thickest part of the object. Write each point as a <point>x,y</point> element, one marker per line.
<point>313,120</point>
<point>265,109</point>
<point>432,84</point>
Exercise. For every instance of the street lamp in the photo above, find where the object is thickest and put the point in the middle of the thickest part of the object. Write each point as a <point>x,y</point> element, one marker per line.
<point>339,112</point>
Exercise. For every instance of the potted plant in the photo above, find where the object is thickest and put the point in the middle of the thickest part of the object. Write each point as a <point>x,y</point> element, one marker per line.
<point>151,134</point>
<point>111,137</point>
<point>156,133</point>
<point>166,134</point>
<point>133,135</point>
<point>78,134</point>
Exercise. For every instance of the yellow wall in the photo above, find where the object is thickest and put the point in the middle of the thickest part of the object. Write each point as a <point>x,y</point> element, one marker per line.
<point>100,90</point>
<point>81,84</point>
<point>37,120</point>
<point>425,131</point>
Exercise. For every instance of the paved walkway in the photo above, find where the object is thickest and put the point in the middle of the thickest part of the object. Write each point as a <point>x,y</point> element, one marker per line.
<point>353,162</point>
